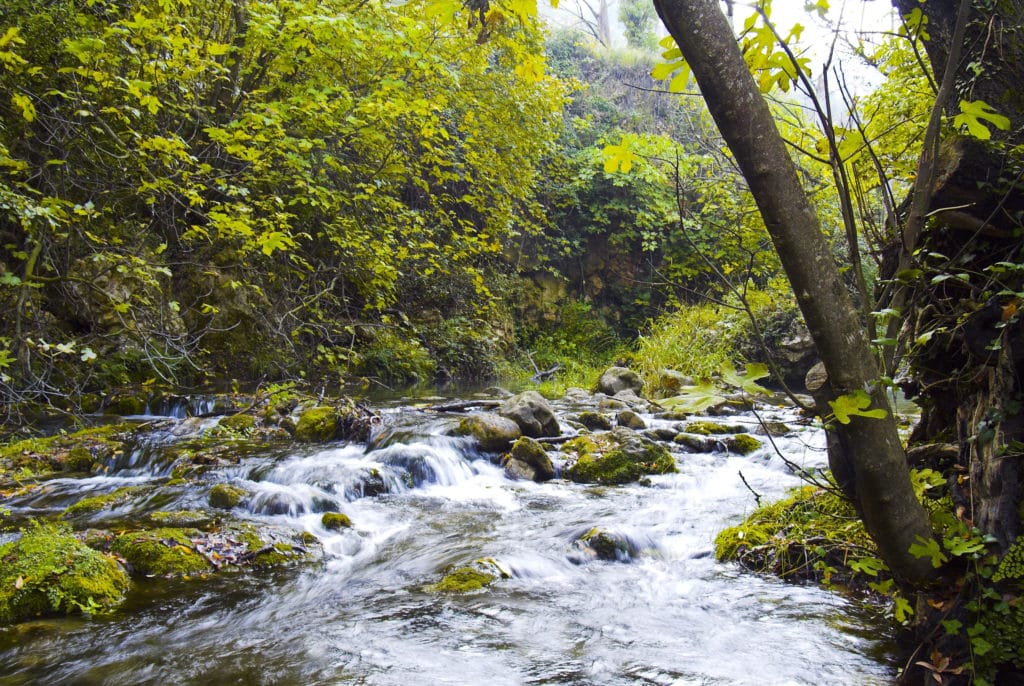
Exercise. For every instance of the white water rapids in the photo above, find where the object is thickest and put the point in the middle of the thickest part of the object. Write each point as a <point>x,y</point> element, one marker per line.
<point>673,615</point>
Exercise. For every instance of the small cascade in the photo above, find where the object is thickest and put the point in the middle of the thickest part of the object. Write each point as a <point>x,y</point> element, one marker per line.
<point>593,584</point>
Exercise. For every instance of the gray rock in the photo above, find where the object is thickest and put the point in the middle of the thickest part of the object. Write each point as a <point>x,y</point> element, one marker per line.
<point>493,433</point>
<point>616,379</point>
<point>631,420</point>
<point>532,413</point>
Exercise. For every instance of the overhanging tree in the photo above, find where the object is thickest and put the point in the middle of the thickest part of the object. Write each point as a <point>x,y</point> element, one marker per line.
<point>868,446</point>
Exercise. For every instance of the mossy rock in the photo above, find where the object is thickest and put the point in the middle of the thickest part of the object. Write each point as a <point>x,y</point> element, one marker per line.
<point>75,452</point>
<point>161,552</point>
<point>126,403</point>
<point>529,460</point>
<point>595,421</point>
<point>729,543</point>
<point>180,518</point>
<point>49,572</point>
<point>616,457</point>
<point>107,501</point>
<point>744,444</point>
<point>630,420</point>
<point>79,459</point>
<point>226,496</point>
<point>800,537</point>
<point>317,424</point>
<point>335,521</point>
<point>266,546</point>
<point>695,442</point>
<point>238,423</point>
<point>482,573</point>
<point>705,428</point>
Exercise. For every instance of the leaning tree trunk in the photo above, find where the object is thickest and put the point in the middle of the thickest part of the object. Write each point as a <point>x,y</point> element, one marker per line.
<point>891,513</point>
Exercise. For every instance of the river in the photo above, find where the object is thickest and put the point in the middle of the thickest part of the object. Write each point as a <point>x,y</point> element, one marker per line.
<point>669,615</point>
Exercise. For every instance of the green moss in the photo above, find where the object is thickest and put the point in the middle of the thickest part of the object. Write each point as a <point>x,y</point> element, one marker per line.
<point>226,496</point>
<point>79,460</point>
<point>238,423</point>
<point>161,552</point>
<point>729,543</point>
<point>63,452</point>
<point>108,501</point>
<point>335,521</point>
<point>317,424</point>
<point>744,444</point>
<point>269,547</point>
<point>48,571</point>
<point>611,459</point>
<point>595,421</point>
<point>481,573</point>
<point>180,518</point>
<point>811,535</point>
<point>462,580</point>
<point>710,428</point>
<point>125,404</point>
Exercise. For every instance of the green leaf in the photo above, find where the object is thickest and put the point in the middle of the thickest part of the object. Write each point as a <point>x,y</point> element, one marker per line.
<point>745,382</point>
<point>855,404</point>
<point>901,609</point>
<point>974,112</point>
<point>695,399</point>
<point>930,549</point>
<point>870,566</point>
<point>619,157</point>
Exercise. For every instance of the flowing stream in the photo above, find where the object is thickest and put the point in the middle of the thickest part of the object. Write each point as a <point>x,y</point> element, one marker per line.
<point>670,614</point>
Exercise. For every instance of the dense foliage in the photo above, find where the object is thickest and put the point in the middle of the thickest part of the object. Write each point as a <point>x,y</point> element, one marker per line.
<point>249,187</point>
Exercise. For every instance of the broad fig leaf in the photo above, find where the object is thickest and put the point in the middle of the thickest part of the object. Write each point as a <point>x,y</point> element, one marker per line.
<point>972,114</point>
<point>855,404</point>
<point>745,382</point>
<point>695,399</point>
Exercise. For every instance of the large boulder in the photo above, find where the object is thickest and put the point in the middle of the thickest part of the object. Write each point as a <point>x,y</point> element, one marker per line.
<point>529,460</point>
<point>616,379</point>
<point>493,433</point>
<point>618,456</point>
<point>532,413</point>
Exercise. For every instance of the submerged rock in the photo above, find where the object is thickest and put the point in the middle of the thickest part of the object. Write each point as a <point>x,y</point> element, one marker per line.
<point>603,545</point>
<point>49,572</point>
<point>532,413</point>
<point>493,433</point>
<point>616,457</point>
<point>616,379</point>
<point>335,521</point>
<point>529,460</point>
<point>480,574</point>
<point>108,501</point>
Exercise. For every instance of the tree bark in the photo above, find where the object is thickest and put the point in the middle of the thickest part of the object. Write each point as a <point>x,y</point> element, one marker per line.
<point>885,498</point>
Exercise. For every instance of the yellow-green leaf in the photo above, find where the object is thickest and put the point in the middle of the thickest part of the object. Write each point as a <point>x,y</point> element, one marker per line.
<point>974,112</point>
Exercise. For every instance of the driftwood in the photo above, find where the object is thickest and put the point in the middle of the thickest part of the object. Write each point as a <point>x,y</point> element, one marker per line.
<point>546,374</point>
<point>465,405</point>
